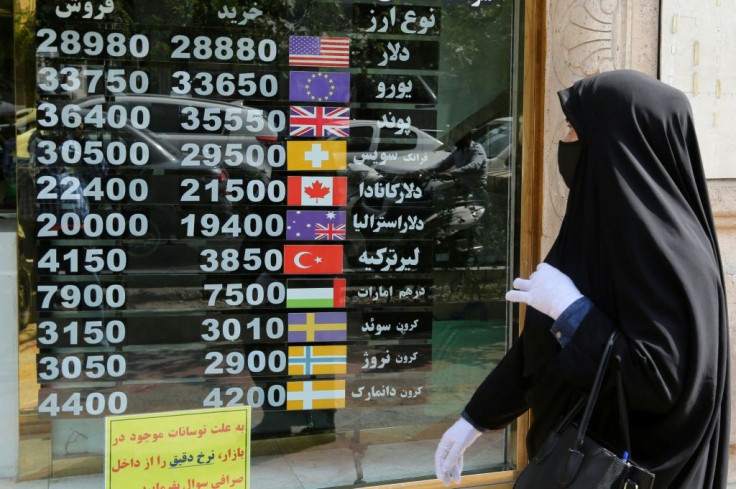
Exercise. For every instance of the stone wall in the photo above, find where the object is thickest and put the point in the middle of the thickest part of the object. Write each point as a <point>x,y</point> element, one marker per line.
<point>585,37</point>
<point>723,202</point>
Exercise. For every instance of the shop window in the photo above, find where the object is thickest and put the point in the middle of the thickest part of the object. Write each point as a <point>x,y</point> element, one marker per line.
<point>401,139</point>
<point>200,158</point>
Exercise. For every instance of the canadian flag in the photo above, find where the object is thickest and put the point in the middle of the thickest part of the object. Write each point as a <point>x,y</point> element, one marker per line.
<point>317,191</point>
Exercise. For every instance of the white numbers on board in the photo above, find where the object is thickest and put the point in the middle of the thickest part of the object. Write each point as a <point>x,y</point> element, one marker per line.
<point>238,294</point>
<point>74,152</point>
<point>225,84</point>
<point>236,362</point>
<point>273,396</point>
<point>232,119</point>
<point>94,403</point>
<point>72,188</point>
<point>249,259</point>
<point>88,366</point>
<point>91,225</point>
<point>88,332</point>
<point>223,48</point>
<point>112,116</point>
<point>233,155</point>
<point>251,225</point>
<point>71,296</point>
<point>233,190</point>
<point>87,260</point>
<point>112,80</point>
<point>92,43</point>
<point>230,329</point>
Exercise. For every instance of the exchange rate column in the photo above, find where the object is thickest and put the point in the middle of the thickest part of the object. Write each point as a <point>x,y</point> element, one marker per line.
<point>85,201</point>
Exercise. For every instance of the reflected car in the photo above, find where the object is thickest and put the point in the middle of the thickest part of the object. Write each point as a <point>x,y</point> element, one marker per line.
<point>25,119</point>
<point>7,119</point>
<point>127,153</point>
<point>181,120</point>
<point>162,206</point>
<point>495,137</point>
<point>207,129</point>
<point>392,150</point>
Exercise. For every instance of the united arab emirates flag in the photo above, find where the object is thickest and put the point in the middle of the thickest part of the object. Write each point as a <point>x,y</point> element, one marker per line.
<point>309,294</point>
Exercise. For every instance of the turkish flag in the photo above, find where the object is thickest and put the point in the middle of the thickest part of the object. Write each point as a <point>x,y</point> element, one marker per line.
<point>312,259</point>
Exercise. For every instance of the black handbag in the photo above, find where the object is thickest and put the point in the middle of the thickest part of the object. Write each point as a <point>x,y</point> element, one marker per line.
<point>569,459</point>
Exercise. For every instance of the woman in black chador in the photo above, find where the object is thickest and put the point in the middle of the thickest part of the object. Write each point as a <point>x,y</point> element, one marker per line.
<point>637,253</point>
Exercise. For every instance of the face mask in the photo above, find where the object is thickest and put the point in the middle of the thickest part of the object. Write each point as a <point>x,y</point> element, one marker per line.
<point>568,156</point>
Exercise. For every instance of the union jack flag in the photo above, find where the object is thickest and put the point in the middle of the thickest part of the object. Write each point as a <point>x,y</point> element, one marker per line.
<point>329,231</point>
<point>319,121</point>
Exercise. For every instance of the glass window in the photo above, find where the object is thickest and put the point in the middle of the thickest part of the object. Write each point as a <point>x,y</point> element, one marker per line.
<point>401,139</point>
<point>361,138</point>
<point>10,115</point>
<point>165,118</point>
<point>246,203</point>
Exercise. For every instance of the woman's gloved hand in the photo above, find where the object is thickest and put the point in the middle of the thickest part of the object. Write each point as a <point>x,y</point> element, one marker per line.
<point>448,459</point>
<point>547,290</point>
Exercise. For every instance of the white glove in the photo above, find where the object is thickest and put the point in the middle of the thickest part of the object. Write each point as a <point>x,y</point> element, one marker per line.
<point>548,290</point>
<point>448,459</point>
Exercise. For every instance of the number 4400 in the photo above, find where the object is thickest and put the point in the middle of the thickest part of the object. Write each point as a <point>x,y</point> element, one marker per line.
<point>78,404</point>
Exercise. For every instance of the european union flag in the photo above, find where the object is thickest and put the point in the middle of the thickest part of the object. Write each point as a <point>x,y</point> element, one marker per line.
<point>314,86</point>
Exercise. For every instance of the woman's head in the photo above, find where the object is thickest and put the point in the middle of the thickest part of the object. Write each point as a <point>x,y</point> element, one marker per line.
<point>635,130</point>
<point>630,109</point>
<point>638,185</point>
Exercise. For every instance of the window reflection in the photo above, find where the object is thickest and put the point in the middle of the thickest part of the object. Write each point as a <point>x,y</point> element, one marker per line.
<point>223,226</point>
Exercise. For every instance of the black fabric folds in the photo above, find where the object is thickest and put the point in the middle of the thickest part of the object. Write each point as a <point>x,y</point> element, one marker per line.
<point>638,240</point>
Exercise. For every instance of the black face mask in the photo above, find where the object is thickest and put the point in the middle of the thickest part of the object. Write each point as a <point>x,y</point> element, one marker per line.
<point>568,156</point>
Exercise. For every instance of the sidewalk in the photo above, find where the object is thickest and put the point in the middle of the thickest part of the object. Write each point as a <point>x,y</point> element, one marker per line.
<point>93,482</point>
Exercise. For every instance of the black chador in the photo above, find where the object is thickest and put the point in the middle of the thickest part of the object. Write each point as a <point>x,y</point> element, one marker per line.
<point>638,240</point>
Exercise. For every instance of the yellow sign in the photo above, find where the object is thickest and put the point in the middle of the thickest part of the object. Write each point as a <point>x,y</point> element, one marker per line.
<point>199,449</point>
<point>316,155</point>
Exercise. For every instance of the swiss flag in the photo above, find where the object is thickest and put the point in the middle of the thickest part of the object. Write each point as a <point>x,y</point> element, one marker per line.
<point>312,259</point>
<point>317,191</point>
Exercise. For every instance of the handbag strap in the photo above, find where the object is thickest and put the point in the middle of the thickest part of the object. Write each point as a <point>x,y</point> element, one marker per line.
<point>594,391</point>
<point>623,412</point>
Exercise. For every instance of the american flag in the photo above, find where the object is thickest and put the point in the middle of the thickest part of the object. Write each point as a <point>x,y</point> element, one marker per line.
<point>319,51</point>
<point>319,121</point>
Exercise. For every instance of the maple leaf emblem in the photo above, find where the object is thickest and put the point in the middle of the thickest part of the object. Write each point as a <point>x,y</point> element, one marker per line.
<point>317,190</point>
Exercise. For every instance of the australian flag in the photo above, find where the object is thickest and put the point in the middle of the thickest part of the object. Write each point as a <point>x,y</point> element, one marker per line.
<point>315,225</point>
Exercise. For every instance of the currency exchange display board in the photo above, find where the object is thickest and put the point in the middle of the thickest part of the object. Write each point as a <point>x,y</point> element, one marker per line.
<point>254,203</point>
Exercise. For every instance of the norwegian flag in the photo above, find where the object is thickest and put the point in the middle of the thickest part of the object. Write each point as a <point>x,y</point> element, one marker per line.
<point>319,121</point>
